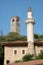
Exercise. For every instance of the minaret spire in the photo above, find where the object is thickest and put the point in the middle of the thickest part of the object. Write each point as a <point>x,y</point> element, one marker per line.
<point>30,9</point>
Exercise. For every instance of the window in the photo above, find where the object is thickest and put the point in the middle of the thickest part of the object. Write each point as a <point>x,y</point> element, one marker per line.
<point>23,51</point>
<point>7,61</point>
<point>13,20</point>
<point>15,51</point>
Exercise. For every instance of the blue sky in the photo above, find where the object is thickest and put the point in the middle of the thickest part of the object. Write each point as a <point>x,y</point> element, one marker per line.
<point>9,8</point>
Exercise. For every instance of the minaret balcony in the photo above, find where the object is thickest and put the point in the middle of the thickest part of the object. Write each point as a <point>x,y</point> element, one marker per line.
<point>30,20</point>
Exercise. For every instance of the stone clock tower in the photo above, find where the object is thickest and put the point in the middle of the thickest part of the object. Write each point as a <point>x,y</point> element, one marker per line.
<point>15,24</point>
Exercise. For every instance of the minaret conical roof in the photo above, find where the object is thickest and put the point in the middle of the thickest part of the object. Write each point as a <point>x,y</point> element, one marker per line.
<point>30,9</point>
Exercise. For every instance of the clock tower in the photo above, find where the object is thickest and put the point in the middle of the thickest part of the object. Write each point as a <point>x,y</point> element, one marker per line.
<point>15,24</point>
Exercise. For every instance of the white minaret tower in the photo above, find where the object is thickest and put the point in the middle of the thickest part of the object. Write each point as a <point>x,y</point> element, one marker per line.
<point>30,32</point>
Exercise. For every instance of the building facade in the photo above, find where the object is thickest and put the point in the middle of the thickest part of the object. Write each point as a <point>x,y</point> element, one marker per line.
<point>16,50</point>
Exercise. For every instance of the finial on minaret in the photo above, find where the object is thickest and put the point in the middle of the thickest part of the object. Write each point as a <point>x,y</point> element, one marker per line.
<point>30,9</point>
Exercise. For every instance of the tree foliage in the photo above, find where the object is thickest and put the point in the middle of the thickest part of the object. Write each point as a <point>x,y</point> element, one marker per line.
<point>40,56</point>
<point>36,36</point>
<point>15,37</point>
<point>41,37</point>
<point>27,57</point>
<point>1,52</point>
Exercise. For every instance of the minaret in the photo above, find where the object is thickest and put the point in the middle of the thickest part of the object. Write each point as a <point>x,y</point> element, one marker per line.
<point>15,24</point>
<point>30,31</point>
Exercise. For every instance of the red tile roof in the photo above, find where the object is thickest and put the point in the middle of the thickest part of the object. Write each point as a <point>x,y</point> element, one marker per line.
<point>38,43</point>
<point>35,62</point>
<point>21,43</point>
<point>15,43</point>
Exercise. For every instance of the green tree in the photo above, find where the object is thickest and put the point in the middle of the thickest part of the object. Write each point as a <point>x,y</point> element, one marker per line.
<point>40,56</point>
<point>15,37</point>
<point>27,57</point>
<point>36,36</point>
<point>41,37</point>
<point>1,52</point>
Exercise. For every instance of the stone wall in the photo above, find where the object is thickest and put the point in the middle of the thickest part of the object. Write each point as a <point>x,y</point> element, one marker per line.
<point>9,53</point>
